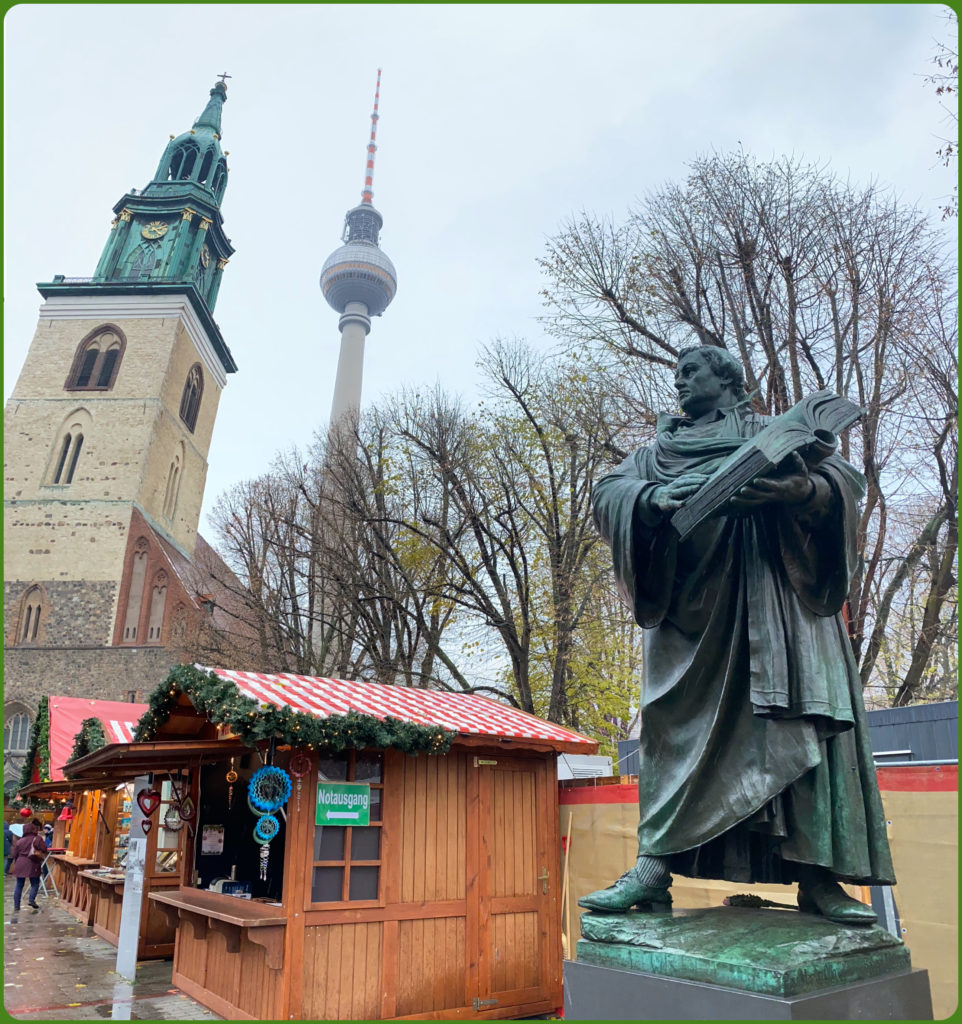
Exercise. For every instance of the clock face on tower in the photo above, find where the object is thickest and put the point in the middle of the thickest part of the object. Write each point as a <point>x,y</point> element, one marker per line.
<point>155,229</point>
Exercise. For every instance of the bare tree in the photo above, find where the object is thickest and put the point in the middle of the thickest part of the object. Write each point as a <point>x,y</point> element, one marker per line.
<point>815,284</point>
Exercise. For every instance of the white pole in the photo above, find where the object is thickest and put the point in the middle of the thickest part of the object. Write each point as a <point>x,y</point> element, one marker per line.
<point>135,868</point>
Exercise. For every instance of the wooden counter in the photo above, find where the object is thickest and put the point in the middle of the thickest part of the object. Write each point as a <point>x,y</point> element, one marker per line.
<point>106,903</point>
<point>75,893</point>
<point>228,950</point>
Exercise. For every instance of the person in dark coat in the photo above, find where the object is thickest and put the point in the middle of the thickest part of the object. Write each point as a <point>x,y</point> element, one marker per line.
<point>7,847</point>
<point>28,856</point>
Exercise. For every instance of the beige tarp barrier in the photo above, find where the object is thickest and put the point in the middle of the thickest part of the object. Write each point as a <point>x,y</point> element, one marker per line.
<point>924,839</point>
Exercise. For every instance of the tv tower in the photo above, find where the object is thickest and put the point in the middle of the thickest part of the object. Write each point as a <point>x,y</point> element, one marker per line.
<point>359,281</point>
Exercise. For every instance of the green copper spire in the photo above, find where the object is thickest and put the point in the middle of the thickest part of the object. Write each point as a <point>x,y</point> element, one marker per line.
<point>171,233</point>
<point>211,115</point>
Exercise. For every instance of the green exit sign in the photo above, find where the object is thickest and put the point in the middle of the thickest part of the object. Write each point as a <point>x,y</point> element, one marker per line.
<point>343,803</point>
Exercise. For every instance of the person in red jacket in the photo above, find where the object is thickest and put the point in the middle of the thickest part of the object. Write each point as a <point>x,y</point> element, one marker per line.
<point>29,853</point>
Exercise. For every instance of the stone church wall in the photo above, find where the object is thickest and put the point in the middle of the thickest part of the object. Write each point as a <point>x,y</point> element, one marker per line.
<point>101,674</point>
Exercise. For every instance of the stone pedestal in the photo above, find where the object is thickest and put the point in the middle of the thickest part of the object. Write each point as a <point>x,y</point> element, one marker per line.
<point>601,993</point>
<point>728,963</point>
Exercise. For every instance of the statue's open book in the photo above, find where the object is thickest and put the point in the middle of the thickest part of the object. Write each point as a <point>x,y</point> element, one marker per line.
<point>808,428</point>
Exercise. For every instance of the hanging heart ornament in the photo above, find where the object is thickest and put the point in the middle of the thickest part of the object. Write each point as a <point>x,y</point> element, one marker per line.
<point>146,824</point>
<point>148,800</point>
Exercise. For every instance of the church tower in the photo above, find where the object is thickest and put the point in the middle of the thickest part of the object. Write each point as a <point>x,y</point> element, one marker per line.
<point>107,434</point>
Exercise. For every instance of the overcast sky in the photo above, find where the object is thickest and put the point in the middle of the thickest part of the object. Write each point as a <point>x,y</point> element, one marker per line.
<point>497,123</point>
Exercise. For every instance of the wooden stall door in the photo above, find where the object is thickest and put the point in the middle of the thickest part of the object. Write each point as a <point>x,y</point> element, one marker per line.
<point>517,885</point>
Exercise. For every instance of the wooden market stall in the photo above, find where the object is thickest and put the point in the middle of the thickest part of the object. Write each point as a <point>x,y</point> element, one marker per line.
<point>393,886</point>
<point>91,831</point>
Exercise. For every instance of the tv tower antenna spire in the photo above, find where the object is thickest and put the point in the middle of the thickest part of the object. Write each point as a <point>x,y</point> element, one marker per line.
<point>367,196</point>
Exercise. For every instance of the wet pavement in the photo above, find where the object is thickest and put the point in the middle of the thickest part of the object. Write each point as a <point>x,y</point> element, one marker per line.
<point>55,968</point>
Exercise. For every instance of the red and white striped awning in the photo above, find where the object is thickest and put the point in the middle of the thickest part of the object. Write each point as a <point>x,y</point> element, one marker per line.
<point>464,713</point>
<point>67,714</point>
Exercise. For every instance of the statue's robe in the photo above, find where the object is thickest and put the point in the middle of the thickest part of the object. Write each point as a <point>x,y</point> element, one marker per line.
<point>754,745</point>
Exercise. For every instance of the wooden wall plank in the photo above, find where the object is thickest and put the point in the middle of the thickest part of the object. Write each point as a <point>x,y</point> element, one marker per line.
<point>389,969</point>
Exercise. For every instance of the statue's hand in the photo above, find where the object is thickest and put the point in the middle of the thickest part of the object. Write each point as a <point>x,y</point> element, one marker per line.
<point>670,497</point>
<point>789,484</point>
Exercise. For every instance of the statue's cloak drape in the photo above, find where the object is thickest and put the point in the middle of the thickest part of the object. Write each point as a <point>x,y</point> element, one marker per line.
<point>754,746</point>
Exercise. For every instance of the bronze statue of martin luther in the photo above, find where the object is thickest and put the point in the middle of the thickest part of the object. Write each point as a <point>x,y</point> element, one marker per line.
<point>755,764</point>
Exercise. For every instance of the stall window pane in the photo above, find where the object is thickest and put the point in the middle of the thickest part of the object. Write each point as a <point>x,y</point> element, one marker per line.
<point>364,883</point>
<point>376,804</point>
<point>365,844</point>
<point>328,843</point>
<point>327,885</point>
<point>333,769</point>
<point>369,766</point>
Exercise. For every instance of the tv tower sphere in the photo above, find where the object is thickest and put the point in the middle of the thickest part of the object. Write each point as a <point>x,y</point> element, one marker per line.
<point>359,271</point>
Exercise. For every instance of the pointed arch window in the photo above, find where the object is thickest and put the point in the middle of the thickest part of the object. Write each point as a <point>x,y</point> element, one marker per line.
<point>142,261</point>
<point>17,723</point>
<point>16,731</point>
<point>135,595</point>
<point>31,612</point>
<point>97,360</point>
<point>158,598</point>
<point>190,400</point>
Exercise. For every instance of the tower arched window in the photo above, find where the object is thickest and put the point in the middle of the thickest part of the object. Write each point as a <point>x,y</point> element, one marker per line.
<point>173,482</point>
<point>70,448</point>
<point>219,183</point>
<point>32,611</point>
<point>97,360</point>
<point>190,400</point>
<point>182,161</point>
<point>205,167</point>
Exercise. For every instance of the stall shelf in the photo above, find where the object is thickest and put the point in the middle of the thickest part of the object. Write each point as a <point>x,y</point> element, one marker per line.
<point>443,902</point>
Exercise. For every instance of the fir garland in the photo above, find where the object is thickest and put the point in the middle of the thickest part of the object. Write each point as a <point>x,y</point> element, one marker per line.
<point>90,738</point>
<point>39,747</point>
<point>224,704</point>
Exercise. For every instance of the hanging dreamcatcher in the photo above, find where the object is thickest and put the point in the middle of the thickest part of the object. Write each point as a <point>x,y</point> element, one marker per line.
<point>268,790</point>
<point>299,767</point>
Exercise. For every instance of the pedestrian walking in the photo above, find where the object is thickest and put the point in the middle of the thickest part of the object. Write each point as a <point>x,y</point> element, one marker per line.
<point>29,853</point>
<point>8,838</point>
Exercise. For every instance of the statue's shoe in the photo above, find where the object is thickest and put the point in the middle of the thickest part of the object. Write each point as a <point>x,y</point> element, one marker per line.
<point>830,900</point>
<point>626,893</point>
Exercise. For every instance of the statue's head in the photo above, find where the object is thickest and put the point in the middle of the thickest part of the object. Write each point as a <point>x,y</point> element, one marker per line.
<point>722,387</point>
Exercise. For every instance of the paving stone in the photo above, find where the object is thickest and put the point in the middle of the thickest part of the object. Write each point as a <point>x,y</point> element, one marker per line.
<point>54,968</point>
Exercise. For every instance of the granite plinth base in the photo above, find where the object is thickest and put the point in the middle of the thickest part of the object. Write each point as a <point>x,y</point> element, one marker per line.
<point>603,993</point>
